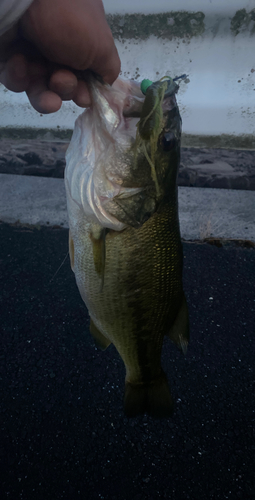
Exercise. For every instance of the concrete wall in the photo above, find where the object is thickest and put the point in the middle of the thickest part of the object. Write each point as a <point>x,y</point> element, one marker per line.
<point>212,41</point>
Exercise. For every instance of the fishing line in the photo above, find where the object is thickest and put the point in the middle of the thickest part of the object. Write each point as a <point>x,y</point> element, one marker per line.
<point>62,263</point>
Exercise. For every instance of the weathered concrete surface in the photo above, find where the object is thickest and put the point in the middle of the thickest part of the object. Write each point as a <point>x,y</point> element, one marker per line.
<point>220,213</point>
<point>203,212</point>
<point>32,200</point>
<point>210,41</point>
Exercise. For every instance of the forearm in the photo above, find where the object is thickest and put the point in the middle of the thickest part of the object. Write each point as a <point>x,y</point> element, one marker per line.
<point>10,12</point>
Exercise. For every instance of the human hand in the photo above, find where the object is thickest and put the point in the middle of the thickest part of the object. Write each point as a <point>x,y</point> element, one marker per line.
<point>52,39</point>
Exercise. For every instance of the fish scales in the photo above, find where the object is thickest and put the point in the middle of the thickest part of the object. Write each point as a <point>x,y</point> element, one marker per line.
<point>134,298</point>
<point>142,298</point>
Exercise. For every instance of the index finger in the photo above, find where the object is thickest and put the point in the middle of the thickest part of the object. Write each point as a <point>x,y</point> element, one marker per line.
<point>107,65</point>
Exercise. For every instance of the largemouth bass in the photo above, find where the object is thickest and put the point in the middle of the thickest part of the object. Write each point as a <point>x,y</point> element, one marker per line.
<point>124,240</point>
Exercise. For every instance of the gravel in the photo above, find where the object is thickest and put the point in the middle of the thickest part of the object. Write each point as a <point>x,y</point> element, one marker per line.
<point>200,167</point>
<point>63,431</point>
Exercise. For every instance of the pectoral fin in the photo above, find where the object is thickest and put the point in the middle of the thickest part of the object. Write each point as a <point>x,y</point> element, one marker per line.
<point>179,332</point>
<point>97,237</point>
<point>100,340</point>
<point>133,210</point>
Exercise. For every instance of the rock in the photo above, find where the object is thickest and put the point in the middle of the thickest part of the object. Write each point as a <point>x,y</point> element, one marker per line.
<point>31,158</point>
<point>200,167</point>
<point>16,162</point>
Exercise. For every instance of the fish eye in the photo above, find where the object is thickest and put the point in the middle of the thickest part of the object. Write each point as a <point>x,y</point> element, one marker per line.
<point>168,141</point>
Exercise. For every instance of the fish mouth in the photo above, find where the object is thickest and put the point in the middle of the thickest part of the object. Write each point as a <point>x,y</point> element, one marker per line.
<point>132,107</point>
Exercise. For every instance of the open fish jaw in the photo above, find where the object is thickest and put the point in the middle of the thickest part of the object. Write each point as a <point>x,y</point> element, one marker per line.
<point>95,172</point>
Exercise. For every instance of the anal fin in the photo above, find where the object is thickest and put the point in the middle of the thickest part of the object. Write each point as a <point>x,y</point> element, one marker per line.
<point>100,340</point>
<point>179,332</point>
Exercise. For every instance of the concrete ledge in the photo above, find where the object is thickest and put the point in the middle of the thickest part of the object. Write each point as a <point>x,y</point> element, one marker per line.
<point>219,213</point>
<point>32,200</point>
<point>203,212</point>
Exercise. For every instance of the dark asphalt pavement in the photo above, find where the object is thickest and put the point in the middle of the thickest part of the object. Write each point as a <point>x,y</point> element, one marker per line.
<point>63,432</point>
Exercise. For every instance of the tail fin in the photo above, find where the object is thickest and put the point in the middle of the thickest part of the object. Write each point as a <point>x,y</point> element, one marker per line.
<point>154,399</point>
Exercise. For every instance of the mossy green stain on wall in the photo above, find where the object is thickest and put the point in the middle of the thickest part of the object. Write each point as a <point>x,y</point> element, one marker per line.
<point>241,21</point>
<point>168,25</point>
